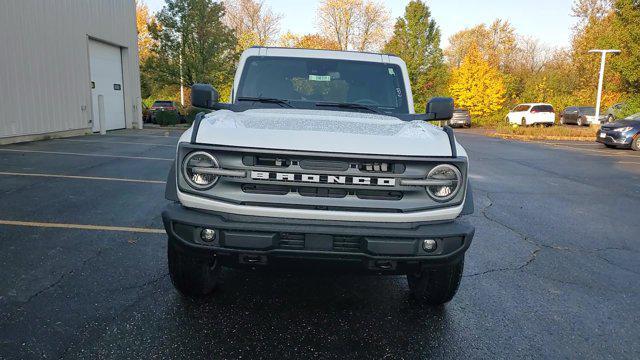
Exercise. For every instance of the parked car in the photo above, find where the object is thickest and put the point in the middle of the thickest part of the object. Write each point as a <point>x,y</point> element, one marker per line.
<point>161,105</point>
<point>461,118</point>
<point>532,114</point>
<point>623,133</point>
<point>580,115</point>
<point>613,113</point>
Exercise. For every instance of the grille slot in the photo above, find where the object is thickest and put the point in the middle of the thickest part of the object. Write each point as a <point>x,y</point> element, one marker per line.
<point>322,192</point>
<point>265,189</point>
<point>291,241</point>
<point>379,195</point>
<point>347,243</point>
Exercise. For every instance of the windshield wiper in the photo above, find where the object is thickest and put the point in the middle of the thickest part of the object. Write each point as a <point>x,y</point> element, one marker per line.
<point>348,106</point>
<point>282,102</point>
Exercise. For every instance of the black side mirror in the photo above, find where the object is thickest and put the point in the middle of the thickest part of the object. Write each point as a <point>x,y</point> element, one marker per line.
<point>440,108</point>
<point>204,96</point>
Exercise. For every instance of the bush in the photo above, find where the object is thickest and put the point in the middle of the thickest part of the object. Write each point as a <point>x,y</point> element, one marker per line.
<point>192,112</point>
<point>491,121</point>
<point>167,118</point>
<point>540,132</point>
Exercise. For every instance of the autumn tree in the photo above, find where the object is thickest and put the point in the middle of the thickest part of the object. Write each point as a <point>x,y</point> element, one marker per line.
<point>476,85</point>
<point>353,24</point>
<point>143,20</point>
<point>253,22</point>
<point>497,43</point>
<point>416,39</point>
<point>308,41</point>
<point>192,44</point>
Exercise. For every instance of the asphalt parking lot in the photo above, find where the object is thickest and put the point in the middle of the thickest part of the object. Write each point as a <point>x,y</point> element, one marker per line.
<point>553,271</point>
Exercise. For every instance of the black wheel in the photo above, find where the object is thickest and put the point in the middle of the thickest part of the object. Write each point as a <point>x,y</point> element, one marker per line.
<point>437,285</point>
<point>580,121</point>
<point>611,118</point>
<point>523,122</point>
<point>192,276</point>
<point>635,144</point>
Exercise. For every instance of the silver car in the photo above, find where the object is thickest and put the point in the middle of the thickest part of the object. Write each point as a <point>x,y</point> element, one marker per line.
<point>461,118</point>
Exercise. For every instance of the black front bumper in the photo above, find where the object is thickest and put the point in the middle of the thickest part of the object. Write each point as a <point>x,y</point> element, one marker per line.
<point>614,138</point>
<point>250,241</point>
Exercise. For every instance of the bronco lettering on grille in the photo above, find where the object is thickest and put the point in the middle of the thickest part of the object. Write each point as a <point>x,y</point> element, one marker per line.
<point>323,179</point>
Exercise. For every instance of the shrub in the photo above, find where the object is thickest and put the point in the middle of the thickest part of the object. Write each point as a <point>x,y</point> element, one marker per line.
<point>167,118</point>
<point>493,120</point>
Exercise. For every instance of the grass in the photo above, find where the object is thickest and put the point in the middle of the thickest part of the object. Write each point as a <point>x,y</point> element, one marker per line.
<point>546,133</point>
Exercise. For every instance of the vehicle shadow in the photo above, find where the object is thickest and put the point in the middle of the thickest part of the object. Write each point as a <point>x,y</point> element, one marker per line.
<point>280,314</point>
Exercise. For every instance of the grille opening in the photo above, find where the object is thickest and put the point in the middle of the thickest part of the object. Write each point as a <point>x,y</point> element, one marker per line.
<point>324,165</point>
<point>265,189</point>
<point>381,167</point>
<point>268,161</point>
<point>379,195</point>
<point>322,192</point>
<point>291,241</point>
<point>347,243</point>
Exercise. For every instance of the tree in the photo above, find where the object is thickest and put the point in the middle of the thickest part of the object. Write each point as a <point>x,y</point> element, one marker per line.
<point>253,22</point>
<point>497,43</point>
<point>353,24</point>
<point>190,36</point>
<point>309,41</point>
<point>416,39</point>
<point>476,85</point>
<point>627,28</point>
<point>143,20</point>
<point>589,10</point>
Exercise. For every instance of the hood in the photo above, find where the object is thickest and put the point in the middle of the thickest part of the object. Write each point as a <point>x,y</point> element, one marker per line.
<point>622,123</point>
<point>323,131</point>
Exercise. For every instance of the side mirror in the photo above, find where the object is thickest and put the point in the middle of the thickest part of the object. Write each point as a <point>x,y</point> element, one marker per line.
<point>204,96</point>
<point>440,108</point>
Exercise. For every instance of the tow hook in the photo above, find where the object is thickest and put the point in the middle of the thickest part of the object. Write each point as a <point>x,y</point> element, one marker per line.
<point>384,265</point>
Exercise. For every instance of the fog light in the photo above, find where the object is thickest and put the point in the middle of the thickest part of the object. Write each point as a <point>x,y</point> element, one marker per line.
<point>429,245</point>
<point>208,235</point>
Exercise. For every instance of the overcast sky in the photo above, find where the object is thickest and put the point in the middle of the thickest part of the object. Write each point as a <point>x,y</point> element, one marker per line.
<point>547,20</point>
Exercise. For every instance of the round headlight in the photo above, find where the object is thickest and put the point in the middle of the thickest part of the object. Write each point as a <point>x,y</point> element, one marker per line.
<point>450,182</point>
<point>194,170</point>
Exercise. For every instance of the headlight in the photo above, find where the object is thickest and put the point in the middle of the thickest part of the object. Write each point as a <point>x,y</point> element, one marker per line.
<point>194,170</point>
<point>446,180</point>
<point>624,129</point>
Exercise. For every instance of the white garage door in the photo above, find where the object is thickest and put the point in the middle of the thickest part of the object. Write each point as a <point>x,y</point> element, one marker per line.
<point>106,79</point>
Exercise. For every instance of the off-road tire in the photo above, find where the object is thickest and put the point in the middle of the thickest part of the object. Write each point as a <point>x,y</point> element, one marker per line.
<point>635,144</point>
<point>438,285</point>
<point>192,276</point>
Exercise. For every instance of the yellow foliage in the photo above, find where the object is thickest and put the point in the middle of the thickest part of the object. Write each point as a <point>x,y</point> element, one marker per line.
<point>145,42</point>
<point>476,85</point>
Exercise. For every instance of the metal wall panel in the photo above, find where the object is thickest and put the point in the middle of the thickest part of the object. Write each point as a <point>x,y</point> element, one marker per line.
<point>44,62</point>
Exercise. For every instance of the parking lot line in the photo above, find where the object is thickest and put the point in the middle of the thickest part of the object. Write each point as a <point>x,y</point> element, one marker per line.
<point>603,152</point>
<point>82,227</point>
<point>115,142</point>
<point>85,154</point>
<point>83,177</point>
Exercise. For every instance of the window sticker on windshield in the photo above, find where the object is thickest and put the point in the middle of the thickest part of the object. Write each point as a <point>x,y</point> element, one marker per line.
<point>391,72</point>
<point>320,77</point>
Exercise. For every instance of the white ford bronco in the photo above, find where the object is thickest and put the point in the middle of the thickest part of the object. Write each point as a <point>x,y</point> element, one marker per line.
<point>319,161</point>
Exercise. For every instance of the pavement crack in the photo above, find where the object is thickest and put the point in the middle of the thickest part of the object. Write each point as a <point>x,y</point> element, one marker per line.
<point>63,276</point>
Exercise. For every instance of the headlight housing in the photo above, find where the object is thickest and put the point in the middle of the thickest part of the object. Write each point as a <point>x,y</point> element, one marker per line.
<point>449,182</point>
<point>194,170</point>
<point>624,129</point>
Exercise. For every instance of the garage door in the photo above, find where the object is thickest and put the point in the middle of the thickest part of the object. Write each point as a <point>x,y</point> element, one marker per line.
<point>106,79</point>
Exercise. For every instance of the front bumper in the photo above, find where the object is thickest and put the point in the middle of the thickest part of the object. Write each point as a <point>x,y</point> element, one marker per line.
<point>376,247</point>
<point>614,138</point>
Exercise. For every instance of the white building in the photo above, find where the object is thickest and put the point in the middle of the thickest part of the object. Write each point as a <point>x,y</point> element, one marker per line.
<point>57,57</point>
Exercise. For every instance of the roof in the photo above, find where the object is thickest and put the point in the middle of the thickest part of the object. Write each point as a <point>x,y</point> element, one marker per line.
<point>317,53</point>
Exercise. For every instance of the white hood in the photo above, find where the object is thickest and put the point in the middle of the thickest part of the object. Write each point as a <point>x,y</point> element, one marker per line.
<point>323,131</point>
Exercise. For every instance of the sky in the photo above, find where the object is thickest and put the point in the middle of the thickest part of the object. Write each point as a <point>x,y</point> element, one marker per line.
<point>547,20</point>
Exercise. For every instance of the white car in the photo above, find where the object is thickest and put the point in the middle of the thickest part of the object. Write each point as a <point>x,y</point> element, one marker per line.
<point>321,160</point>
<point>532,114</point>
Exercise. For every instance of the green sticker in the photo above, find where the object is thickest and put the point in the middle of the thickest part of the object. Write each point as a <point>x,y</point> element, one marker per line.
<point>319,77</point>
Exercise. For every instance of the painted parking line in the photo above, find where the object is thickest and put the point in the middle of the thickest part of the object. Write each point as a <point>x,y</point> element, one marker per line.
<point>115,142</point>
<point>602,152</point>
<point>85,154</point>
<point>83,177</point>
<point>83,227</point>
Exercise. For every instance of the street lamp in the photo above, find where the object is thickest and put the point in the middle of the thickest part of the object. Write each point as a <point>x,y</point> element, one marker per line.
<point>602,62</point>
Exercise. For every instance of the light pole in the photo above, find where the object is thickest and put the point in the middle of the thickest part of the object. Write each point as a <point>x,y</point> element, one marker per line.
<point>603,60</point>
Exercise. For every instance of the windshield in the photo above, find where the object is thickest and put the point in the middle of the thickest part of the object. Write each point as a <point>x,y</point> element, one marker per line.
<point>588,110</point>
<point>376,85</point>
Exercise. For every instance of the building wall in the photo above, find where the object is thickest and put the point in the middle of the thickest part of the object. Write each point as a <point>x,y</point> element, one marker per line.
<point>45,85</point>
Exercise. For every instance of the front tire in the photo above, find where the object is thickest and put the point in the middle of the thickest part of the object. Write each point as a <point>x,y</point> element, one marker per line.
<point>635,144</point>
<point>580,121</point>
<point>438,285</point>
<point>192,276</point>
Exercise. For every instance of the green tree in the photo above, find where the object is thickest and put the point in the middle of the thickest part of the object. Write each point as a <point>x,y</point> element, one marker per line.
<point>627,27</point>
<point>416,39</point>
<point>189,35</point>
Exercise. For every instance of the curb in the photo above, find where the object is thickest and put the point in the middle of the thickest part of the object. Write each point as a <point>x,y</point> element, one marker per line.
<point>543,137</point>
